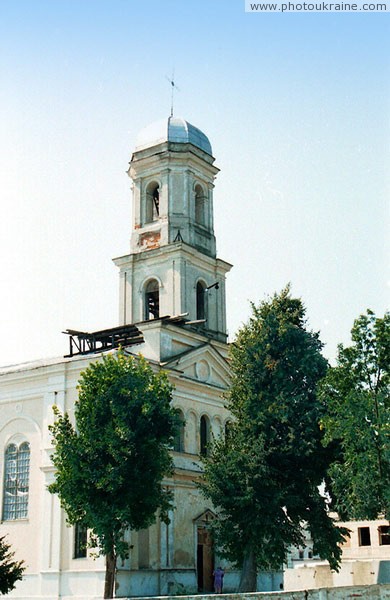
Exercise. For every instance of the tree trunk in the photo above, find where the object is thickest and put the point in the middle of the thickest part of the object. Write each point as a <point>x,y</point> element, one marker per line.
<point>109,582</point>
<point>248,581</point>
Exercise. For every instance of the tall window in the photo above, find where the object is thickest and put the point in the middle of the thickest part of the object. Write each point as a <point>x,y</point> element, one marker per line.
<point>178,442</point>
<point>201,297</point>
<point>16,480</point>
<point>204,435</point>
<point>152,202</point>
<point>152,300</point>
<point>200,205</point>
<point>80,541</point>
<point>364,536</point>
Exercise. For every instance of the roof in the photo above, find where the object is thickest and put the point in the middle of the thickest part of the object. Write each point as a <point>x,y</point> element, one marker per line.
<point>172,129</point>
<point>82,342</point>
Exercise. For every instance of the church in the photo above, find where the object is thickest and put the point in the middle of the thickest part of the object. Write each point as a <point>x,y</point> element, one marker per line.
<point>172,310</point>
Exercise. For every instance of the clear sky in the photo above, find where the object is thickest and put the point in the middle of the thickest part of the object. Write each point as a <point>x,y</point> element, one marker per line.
<point>297,110</point>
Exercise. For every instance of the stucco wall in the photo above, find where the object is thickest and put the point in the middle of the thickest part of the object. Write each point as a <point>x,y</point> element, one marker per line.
<point>351,573</point>
<point>372,592</point>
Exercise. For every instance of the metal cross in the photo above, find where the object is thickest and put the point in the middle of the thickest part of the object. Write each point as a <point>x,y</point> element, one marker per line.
<point>173,87</point>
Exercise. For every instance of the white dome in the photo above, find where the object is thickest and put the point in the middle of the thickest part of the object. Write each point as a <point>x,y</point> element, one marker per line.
<point>173,129</point>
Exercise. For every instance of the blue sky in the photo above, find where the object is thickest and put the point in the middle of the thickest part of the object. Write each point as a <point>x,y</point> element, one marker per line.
<point>297,110</point>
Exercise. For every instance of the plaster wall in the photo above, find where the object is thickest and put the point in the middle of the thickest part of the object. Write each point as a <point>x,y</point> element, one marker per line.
<point>365,560</point>
<point>177,169</point>
<point>374,592</point>
<point>375,549</point>
<point>177,269</point>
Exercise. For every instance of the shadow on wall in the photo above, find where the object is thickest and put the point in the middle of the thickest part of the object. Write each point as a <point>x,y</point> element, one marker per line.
<point>384,572</point>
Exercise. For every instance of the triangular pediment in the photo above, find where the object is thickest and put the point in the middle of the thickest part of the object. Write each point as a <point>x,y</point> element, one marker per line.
<point>203,364</point>
<point>206,517</point>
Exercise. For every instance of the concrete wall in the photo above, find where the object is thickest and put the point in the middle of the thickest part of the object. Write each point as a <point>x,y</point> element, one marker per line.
<point>372,592</point>
<point>351,573</point>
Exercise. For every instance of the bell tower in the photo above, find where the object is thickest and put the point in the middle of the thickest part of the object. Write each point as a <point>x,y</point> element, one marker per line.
<point>172,268</point>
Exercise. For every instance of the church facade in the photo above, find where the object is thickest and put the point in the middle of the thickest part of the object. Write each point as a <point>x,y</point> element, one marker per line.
<point>172,310</point>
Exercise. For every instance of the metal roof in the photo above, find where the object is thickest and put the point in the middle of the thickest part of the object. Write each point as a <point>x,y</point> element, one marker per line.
<point>172,129</point>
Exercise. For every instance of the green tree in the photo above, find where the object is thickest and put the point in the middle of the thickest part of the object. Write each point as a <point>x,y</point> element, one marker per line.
<point>11,570</point>
<point>110,465</point>
<point>264,476</point>
<point>357,394</point>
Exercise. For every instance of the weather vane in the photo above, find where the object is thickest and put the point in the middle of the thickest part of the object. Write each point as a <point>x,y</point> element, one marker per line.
<point>173,88</point>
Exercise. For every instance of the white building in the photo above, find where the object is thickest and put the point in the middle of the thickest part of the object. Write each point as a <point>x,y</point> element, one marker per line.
<point>172,286</point>
<point>365,560</point>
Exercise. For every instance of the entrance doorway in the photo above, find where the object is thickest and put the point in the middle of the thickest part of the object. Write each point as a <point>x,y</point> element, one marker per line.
<point>205,559</point>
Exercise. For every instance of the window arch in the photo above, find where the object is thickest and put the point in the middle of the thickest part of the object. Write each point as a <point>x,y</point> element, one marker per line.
<point>201,300</point>
<point>178,442</point>
<point>204,435</point>
<point>152,300</point>
<point>200,205</point>
<point>16,481</point>
<point>152,202</point>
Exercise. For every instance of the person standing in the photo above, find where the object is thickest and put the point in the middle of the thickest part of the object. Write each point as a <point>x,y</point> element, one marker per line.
<point>218,580</point>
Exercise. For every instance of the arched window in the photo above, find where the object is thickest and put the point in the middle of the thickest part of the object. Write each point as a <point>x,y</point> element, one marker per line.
<point>16,480</point>
<point>152,202</point>
<point>200,205</point>
<point>201,299</point>
<point>178,442</point>
<point>204,435</point>
<point>228,428</point>
<point>152,300</point>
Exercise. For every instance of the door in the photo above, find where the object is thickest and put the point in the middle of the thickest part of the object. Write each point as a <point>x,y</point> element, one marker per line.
<point>205,560</point>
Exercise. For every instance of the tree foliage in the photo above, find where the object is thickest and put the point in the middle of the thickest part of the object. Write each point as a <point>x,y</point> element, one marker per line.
<point>110,465</point>
<point>357,395</point>
<point>264,475</point>
<point>11,570</point>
